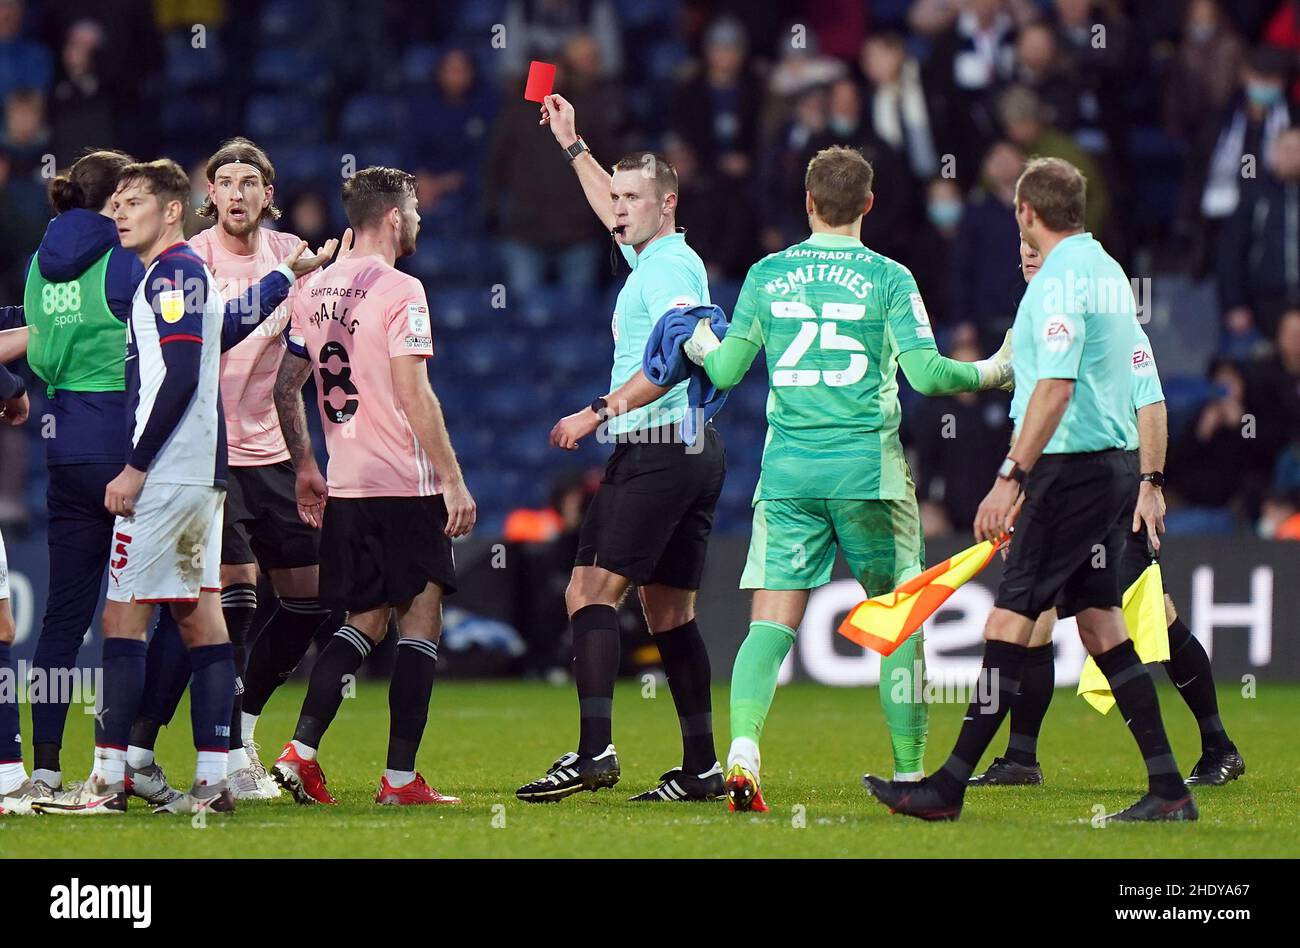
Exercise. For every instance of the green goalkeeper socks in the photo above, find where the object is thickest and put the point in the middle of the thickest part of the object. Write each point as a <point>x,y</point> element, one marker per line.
<point>902,698</point>
<point>753,679</point>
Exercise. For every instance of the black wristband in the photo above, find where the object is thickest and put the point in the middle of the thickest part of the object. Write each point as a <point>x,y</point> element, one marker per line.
<point>576,149</point>
<point>1155,478</point>
<point>600,407</point>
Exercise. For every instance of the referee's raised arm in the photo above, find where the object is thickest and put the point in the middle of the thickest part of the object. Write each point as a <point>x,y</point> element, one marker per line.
<point>557,112</point>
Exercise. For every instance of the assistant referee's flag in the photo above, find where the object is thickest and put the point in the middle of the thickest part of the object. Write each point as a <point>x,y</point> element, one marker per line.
<point>1144,614</point>
<point>884,622</point>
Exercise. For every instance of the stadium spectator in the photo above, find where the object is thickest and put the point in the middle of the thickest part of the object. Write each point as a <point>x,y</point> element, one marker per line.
<point>1028,125</point>
<point>716,110</point>
<point>899,107</point>
<point>24,64</point>
<point>1096,45</point>
<point>81,109</point>
<point>26,133</point>
<point>1041,68</point>
<point>896,212</point>
<point>1219,460</point>
<point>1259,250</point>
<point>1202,78</point>
<point>931,252</point>
<point>985,283</point>
<point>543,29</point>
<point>972,59</point>
<point>799,70</point>
<point>307,215</point>
<point>930,18</point>
<point>1247,127</point>
<point>959,442</point>
<point>1274,388</point>
<point>533,197</point>
<point>716,212</point>
<point>784,161</point>
<point>21,226</point>
<point>452,124</point>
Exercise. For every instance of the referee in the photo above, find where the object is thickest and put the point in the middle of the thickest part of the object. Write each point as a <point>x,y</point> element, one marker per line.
<point>1072,347</point>
<point>649,522</point>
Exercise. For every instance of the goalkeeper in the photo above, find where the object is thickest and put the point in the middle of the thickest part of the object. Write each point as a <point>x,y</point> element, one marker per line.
<point>836,319</point>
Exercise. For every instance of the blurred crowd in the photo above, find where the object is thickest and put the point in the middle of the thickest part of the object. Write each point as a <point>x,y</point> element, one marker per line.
<point>1178,112</point>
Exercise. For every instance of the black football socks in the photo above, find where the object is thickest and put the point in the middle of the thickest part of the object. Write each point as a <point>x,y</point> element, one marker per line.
<point>1037,679</point>
<point>595,666</point>
<point>686,663</point>
<point>1135,696</point>
<point>995,691</point>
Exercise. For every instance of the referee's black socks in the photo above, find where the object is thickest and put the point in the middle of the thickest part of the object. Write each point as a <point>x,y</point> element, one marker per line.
<point>595,666</point>
<point>995,690</point>
<point>1135,696</point>
<point>1189,670</point>
<point>686,663</point>
<point>1037,679</point>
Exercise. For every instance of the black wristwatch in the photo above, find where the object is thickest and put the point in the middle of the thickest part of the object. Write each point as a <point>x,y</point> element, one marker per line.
<point>1011,471</point>
<point>576,149</point>
<point>1155,478</point>
<point>601,408</point>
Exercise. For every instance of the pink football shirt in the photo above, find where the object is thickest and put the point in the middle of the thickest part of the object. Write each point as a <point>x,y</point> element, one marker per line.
<point>350,319</point>
<point>248,370</point>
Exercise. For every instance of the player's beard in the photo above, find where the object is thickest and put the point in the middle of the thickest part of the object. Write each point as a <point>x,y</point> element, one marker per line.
<point>406,242</point>
<point>240,228</point>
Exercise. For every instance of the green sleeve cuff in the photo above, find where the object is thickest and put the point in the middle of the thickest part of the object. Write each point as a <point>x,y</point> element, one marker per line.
<point>727,364</point>
<point>932,374</point>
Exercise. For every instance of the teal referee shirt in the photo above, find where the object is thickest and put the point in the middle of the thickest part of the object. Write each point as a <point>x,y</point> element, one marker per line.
<point>665,274</point>
<point>1078,320</point>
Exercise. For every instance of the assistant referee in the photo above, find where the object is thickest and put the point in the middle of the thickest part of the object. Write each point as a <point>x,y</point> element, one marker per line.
<point>1072,347</point>
<point>650,520</point>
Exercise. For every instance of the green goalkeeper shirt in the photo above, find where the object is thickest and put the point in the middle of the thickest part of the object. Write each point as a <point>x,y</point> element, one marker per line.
<point>834,318</point>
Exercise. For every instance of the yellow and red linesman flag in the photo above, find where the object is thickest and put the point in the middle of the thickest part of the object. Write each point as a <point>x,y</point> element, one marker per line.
<point>1144,614</point>
<point>882,623</point>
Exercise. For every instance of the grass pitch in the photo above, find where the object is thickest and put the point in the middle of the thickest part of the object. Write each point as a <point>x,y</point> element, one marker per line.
<point>485,739</point>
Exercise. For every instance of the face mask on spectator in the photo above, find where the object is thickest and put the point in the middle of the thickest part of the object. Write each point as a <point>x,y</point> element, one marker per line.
<point>944,213</point>
<point>1263,94</point>
<point>841,125</point>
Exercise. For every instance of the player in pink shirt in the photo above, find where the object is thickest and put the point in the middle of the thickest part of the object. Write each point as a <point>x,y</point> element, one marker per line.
<point>396,496</point>
<point>261,523</point>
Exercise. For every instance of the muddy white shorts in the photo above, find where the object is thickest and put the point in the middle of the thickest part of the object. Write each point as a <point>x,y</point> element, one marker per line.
<point>170,550</point>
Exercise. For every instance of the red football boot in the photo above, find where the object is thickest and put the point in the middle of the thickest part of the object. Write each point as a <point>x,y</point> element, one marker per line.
<point>413,793</point>
<point>743,794</point>
<point>303,778</point>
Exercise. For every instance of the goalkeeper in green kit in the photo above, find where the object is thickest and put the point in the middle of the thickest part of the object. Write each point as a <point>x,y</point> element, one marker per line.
<point>836,320</point>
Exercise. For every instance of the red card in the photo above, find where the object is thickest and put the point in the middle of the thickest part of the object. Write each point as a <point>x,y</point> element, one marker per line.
<point>541,79</point>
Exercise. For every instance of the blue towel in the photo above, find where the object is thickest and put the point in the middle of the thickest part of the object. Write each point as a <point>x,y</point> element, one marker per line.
<point>666,364</point>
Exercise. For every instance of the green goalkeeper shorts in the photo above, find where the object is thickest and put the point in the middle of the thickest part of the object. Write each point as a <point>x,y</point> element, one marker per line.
<point>794,542</point>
